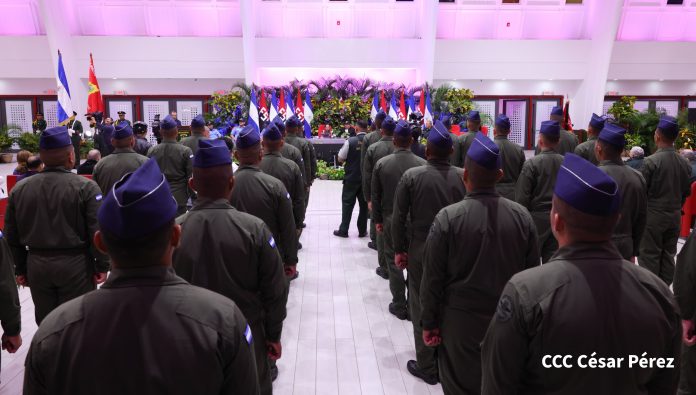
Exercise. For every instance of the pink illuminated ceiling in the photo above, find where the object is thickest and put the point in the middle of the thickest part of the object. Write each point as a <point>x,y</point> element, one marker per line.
<point>20,18</point>
<point>655,20</point>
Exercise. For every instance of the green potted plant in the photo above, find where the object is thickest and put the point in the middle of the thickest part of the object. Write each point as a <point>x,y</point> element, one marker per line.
<point>5,144</point>
<point>29,142</point>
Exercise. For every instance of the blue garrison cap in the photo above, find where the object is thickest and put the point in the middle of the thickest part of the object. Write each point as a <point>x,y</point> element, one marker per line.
<point>446,120</point>
<point>557,111</point>
<point>139,204</point>
<point>587,188</point>
<point>440,136</point>
<point>403,129</point>
<point>380,115</point>
<point>502,121</point>
<point>484,152</point>
<point>168,123</point>
<point>474,116</point>
<point>668,126</point>
<point>248,137</point>
<point>278,122</point>
<point>613,134</point>
<point>211,153</point>
<point>123,131</point>
<point>293,122</point>
<point>550,128</point>
<point>198,121</point>
<point>597,122</point>
<point>389,124</point>
<point>271,132</point>
<point>53,138</point>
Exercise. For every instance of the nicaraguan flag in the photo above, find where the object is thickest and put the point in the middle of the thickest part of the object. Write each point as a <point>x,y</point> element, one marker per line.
<point>308,115</point>
<point>411,102</point>
<point>253,111</point>
<point>290,106</point>
<point>274,105</point>
<point>393,109</point>
<point>428,108</point>
<point>375,106</point>
<point>64,108</point>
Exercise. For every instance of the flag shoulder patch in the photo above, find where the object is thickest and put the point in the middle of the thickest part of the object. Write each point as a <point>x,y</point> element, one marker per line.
<point>272,242</point>
<point>248,336</point>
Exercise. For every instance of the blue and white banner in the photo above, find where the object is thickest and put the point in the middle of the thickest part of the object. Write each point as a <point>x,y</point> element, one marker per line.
<point>289,105</point>
<point>428,108</point>
<point>253,111</point>
<point>308,115</point>
<point>274,106</point>
<point>375,106</point>
<point>64,108</point>
<point>393,108</point>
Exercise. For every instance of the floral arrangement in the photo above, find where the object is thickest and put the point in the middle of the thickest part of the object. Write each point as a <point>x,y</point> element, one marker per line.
<point>326,172</point>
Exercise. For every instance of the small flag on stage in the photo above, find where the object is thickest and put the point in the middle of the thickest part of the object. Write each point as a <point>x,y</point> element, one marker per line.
<point>428,114</point>
<point>393,111</point>
<point>402,107</point>
<point>253,111</point>
<point>290,106</point>
<point>282,109</point>
<point>263,109</point>
<point>65,108</point>
<point>274,105</point>
<point>95,102</point>
<point>375,106</point>
<point>383,102</point>
<point>308,115</point>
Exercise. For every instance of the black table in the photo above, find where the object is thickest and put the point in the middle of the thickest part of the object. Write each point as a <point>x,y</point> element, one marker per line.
<point>327,148</point>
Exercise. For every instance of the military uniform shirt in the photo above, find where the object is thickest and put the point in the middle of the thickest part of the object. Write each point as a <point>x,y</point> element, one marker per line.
<point>265,197</point>
<point>585,300</point>
<point>568,142</point>
<point>213,232</point>
<point>534,188</point>
<point>155,333</point>
<point>312,160</point>
<point>291,152</point>
<point>175,161</point>
<point>666,176</point>
<point>141,146</point>
<point>287,171</point>
<point>374,153</point>
<point>369,139</point>
<point>10,313</point>
<point>303,146</point>
<point>385,178</point>
<point>634,206</point>
<point>586,150</point>
<point>512,156</point>
<point>192,141</point>
<point>112,168</point>
<point>464,142</point>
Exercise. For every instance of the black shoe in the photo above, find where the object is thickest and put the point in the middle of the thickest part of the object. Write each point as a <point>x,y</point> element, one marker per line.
<point>413,368</point>
<point>299,246</point>
<point>398,313</point>
<point>340,234</point>
<point>372,245</point>
<point>382,272</point>
<point>274,373</point>
<point>304,225</point>
<point>362,234</point>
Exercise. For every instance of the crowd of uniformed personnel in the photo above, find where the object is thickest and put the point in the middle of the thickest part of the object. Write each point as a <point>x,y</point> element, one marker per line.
<point>508,260</point>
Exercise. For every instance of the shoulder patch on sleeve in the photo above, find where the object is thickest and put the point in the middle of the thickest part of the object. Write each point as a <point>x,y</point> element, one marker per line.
<point>505,310</point>
<point>99,197</point>
<point>272,242</point>
<point>0,235</point>
<point>248,336</point>
<point>191,157</point>
<point>288,195</point>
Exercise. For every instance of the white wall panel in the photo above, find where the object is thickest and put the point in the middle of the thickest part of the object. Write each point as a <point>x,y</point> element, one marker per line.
<point>115,106</point>
<point>187,110</point>
<point>18,112</point>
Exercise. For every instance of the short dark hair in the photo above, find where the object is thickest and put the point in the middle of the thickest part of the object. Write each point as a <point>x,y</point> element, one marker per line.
<point>669,138</point>
<point>57,156</point>
<point>480,176</point>
<point>582,226</point>
<point>211,182</point>
<point>34,162</point>
<point>439,152</point>
<point>402,142</point>
<point>362,124</point>
<point>611,151</point>
<point>249,154</point>
<point>550,139</point>
<point>141,251</point>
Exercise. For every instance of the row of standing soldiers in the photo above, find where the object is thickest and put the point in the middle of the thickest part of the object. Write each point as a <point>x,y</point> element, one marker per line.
<point>64,233</point>
<point>463,233</point>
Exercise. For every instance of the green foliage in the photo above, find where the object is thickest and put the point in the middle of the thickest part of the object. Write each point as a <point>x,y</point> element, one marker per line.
<point>623,109</point>
<point>224,106</point>
<point>340,112</point>
<point>329,172</point>
<point>687,132</point>
<point>5,141</point>
<point>454,101</point>
<point>29,142</point>
<point>86,146</point>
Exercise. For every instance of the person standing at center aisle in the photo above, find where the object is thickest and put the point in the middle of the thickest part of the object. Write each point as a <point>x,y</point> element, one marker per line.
<point>50,224</point>
<point>473,249</point>
<point>197,133</point>
<point>386,176</point>
<point>534,188</point>
<point>141,143</point>
<point>512,156</point>
<point>629,229</point>
<point>283,169</point>
<point>293,127</point>
<point>175,161</point>
<point>265,197</point>
<point>421,193</point>
<point>376,152</point>
<point>371,138</point>
<point>587,301</point>
<point>586,150</point>
<point>350,154</point>
<point>121,162</point>
<point>145,331</point>
<point>666,175</point>
<point>473,125</point>
<point>234,254</point>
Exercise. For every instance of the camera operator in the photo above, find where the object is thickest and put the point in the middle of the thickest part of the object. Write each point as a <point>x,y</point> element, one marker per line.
<point>156,128</point>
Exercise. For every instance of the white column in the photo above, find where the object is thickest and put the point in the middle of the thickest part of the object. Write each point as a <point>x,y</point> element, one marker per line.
<point>429,9</point>
<point>248,14</point>
<point>55,18</point>
<point>604,24</point>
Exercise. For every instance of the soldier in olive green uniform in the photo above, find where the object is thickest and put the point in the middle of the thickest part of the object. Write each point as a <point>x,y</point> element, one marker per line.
<point>39,124</point>
<point>385,178</point>
<point>76,137</point>
<point>265,197</point>
<point>313,165</point>
<point>291,152</point>
<point>293,126</point>
<point>10,313</point>
<point>175,161</point>
<point>274,164</point>
<point>464,141</point>
<point>587,302</point>
<point>50,223</point>
<point>197,133</point>
<point>534,188</point>
<point>455,158</point>
<point>371,138</point>
<point>473,249</point>
<point>586,150</point>
<point>212,232</point>
<point>666,175</point>
<point>512,156</point>
<point>377,151</point>
<point>685,292</point>
<point>567,139</point>
<point>145,331</point>
<point>141,143</point>
<point>634,204</point>
<point>122,119</point>
<point>121,162</point>
<point>421,193</point>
